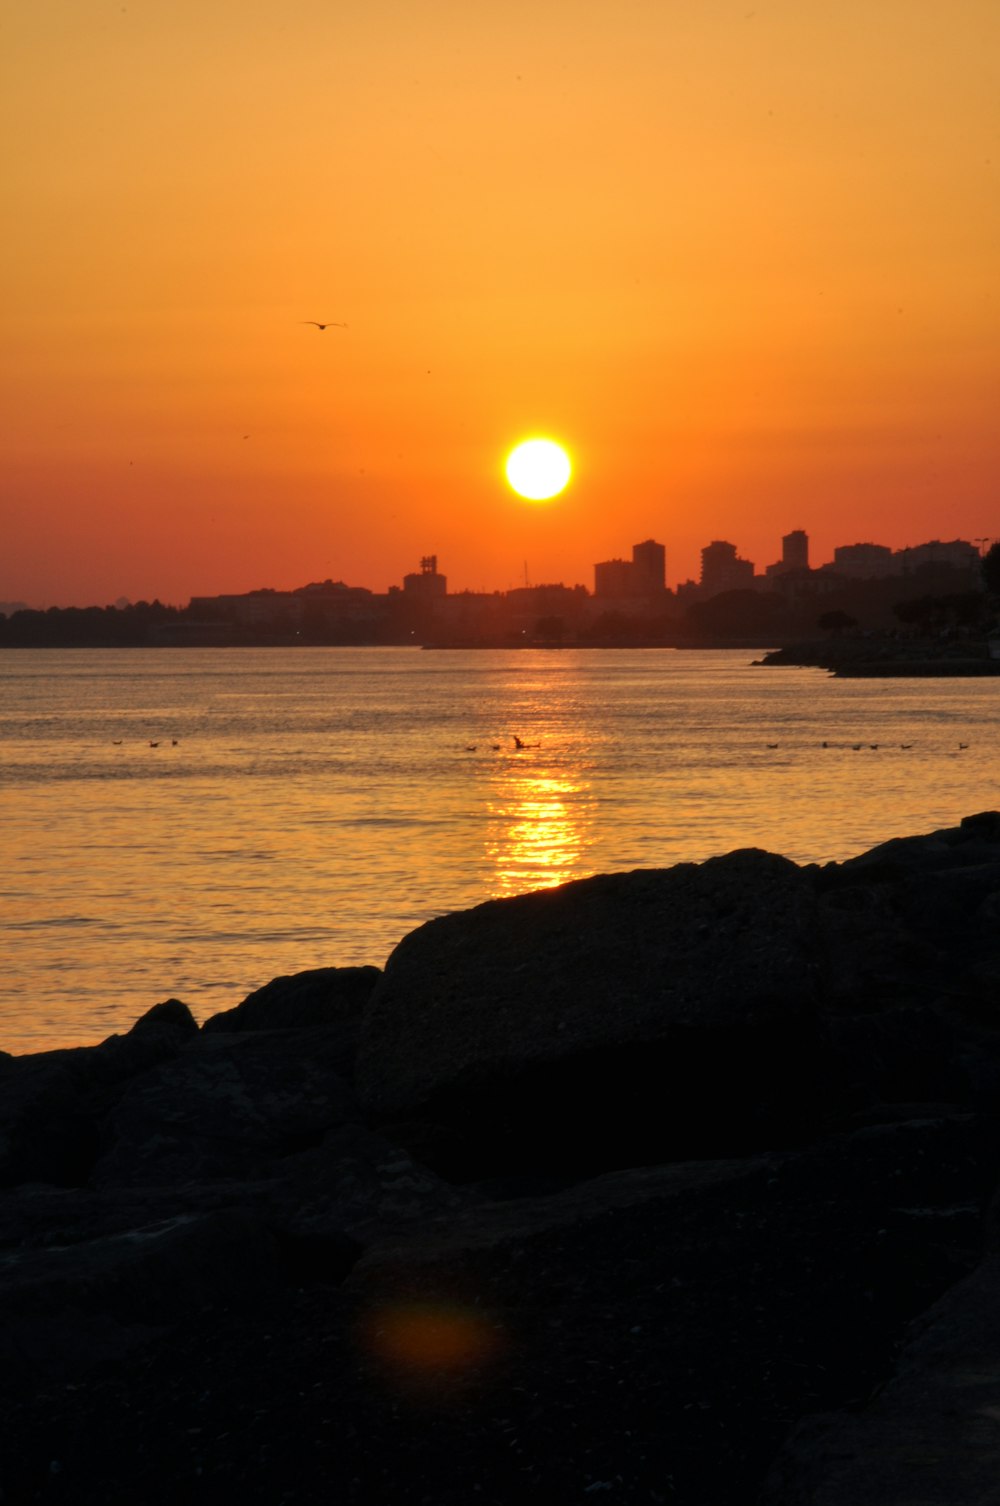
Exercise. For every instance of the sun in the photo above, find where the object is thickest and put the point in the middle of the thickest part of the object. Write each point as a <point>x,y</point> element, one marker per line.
<point>538,469</point>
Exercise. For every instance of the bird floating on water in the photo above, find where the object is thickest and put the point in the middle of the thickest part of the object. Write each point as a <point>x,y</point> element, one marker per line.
<point>330,324</point>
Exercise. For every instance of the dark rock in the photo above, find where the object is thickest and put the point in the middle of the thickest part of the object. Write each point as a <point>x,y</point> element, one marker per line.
<point>216,1283</point>
<point>323,996</point>
<point>608,996</point>
<point>228,1106</point>
<point>656,1331</point>
<point>897,1056</point>
<point>52,1104</point>
<point>929,1438</point>
<point>116,1293</point>
<point>359,1183</point>
<point>913,921</point>
<point>170,1015</point>
<point>46,1133</point>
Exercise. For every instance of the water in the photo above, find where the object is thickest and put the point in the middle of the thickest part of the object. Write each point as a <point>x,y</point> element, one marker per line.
<point>309,807</point>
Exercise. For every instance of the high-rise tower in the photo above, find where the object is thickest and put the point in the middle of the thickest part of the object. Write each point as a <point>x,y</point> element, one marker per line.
<point>795,550</point>
<point>649,566</point>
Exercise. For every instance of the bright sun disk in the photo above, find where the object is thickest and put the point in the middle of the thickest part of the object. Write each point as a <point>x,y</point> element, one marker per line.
<point>538,469</point>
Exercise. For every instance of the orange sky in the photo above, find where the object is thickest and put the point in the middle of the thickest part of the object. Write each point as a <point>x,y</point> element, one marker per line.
<point>741,258</point>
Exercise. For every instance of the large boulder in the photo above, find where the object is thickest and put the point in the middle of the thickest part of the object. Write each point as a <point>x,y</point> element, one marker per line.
<point>300,1001</point>
<point>929,1438</point>
<point>52,1104</point>
<point>913,921</point>
<point>615,1019</point>
<point>230,1106</point>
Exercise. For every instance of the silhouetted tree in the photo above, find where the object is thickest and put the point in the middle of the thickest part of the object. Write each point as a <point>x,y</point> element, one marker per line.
<point>836,622</point>
<point>917,611</point>
<point>990,567</point>
<point>964,608</point>
<point>740,613</point>
<point>551,629</point>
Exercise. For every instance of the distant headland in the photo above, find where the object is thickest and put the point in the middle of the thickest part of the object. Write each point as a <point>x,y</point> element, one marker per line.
<point>931,593</point>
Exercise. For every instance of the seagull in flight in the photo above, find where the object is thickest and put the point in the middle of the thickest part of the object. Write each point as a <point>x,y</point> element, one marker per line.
<point>330,324</point>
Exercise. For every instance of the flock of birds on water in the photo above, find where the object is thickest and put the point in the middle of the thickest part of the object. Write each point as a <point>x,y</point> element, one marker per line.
<point>522,747</point>
<point>519,746</point>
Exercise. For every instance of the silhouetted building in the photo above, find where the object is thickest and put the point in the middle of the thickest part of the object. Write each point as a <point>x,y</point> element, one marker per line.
<point>795,550</point>
<point>794,555</point>
<point>957,554</point>
<point>649,567</point>
<point>864,561</point>
<point>644,575</point>
<point>428,585</point>
<point>614,578</point>
<point>723,570</point>
<point>262,608</point>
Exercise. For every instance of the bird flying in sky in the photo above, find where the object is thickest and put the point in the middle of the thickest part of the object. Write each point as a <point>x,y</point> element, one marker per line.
<point>330,324</point>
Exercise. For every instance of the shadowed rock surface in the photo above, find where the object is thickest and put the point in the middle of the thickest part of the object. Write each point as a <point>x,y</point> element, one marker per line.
<point>669,1186</point>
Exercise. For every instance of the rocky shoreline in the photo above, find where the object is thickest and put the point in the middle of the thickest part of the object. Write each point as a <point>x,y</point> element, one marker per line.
<point>885,656</point>
<point>676,1186</point>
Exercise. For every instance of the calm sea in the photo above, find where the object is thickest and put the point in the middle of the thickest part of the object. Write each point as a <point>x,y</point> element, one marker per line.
<point>192,823</point>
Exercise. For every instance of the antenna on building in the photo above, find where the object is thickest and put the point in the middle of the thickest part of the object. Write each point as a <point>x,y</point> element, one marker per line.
<point>526,572</point>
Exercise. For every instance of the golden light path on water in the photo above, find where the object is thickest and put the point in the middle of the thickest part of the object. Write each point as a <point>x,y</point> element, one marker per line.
<point>540,832</point>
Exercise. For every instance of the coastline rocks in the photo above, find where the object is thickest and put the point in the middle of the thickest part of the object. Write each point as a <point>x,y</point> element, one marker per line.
<point>229,1107</point>
<point>52,1103</point>
<point>321,996</point>
<point>929,1436</point>
<point>875,655</point>
<point>634,1011</point>
<point>671,1186</point>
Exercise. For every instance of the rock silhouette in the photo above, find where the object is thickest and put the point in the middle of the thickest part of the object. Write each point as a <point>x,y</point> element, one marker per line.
<point>667,1186</point>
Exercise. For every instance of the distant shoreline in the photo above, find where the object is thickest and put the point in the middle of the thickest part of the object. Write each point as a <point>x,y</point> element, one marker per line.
<point>890,658</point>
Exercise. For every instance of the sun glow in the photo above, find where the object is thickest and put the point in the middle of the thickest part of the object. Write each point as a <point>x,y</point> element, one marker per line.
<point>538,469</point>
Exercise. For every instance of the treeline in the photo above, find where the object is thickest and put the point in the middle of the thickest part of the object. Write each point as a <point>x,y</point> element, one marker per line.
<point>151,624</point>
<point>130,626</point>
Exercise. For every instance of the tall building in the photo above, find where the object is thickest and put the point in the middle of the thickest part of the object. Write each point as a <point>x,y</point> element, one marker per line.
<point>428,585</point>
<point>614,578</point>
<point>644,575</point>
<point>723,570</point>
<point>795,550</point>
<point>649,566</point>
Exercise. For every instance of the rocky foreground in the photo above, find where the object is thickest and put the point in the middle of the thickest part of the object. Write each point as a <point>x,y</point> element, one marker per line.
<point>675,1186</point>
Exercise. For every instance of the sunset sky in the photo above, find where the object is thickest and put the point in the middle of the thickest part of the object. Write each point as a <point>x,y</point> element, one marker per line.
<point>741,258</point>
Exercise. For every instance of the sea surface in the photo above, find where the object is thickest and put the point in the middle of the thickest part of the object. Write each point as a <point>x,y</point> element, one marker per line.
<point>191,823</point>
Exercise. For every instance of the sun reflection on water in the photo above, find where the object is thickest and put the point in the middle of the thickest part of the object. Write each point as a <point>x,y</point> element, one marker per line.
<point>539,831</point>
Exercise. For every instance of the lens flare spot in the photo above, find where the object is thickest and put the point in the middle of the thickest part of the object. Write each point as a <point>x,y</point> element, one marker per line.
<point>424,1338</point>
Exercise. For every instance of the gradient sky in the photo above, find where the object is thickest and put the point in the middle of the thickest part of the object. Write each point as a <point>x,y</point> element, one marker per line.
<point>742,258</point>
